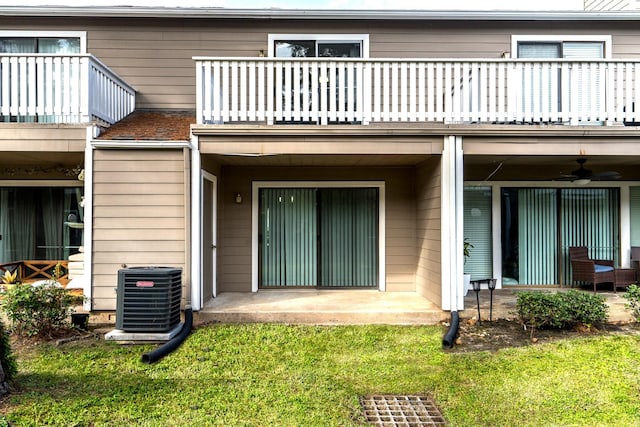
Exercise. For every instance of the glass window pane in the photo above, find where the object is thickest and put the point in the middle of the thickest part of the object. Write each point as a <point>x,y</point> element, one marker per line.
<point>583,50</point>
<point>538,50</point>
<point>339,49</point>
<point>295,48</point>
<point>18,45</point>
<point>58,45</point>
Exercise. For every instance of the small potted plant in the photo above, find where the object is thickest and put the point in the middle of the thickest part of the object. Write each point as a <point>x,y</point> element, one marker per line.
<point>466,252</point>
<point>8,280</point>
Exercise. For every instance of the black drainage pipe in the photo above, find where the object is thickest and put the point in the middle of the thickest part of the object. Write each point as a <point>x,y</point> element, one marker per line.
<point>449,338</point>
<point>172,344</point>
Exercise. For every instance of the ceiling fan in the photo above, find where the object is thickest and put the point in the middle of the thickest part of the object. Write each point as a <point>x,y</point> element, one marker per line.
<point>584,176</point>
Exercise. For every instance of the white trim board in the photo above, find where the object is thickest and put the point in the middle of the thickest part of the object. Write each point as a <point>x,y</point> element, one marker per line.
<point>559,38</point>
<point>82,35</point>
<point>363,38</point>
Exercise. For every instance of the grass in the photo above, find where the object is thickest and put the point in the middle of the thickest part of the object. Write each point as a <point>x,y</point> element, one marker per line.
<point>255,375</point>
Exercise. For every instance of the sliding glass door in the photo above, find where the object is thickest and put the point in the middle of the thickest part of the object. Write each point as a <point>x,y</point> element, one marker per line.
<point>540,224</point>
<point>40,223</point>
<point>318,237</point>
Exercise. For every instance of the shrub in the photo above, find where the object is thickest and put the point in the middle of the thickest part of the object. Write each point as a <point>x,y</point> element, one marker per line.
<point>7,359</point>
<point>38,310</point>
<point>540,310</point>
<point>632,295</point>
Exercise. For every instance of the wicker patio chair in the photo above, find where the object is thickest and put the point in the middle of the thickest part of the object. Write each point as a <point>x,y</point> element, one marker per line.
<point>635,258</point>
<point>590,270</point>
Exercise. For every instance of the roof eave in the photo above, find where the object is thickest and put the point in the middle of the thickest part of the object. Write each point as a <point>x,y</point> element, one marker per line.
<point>319,14</point>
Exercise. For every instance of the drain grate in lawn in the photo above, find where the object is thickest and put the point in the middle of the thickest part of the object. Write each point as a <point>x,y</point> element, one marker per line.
<point>401,411</point>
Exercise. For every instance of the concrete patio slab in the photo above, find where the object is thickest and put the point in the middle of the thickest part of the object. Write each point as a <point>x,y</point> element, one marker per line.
<point>334,307</point>
<point>322,307</point>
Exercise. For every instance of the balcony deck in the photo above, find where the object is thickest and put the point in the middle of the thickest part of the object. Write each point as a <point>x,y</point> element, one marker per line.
<point>363,91</point>
<point>61,88</point>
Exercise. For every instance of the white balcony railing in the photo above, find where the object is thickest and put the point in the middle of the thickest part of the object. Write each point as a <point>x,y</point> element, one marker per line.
<point>339,90</point>
<point>61,89</point>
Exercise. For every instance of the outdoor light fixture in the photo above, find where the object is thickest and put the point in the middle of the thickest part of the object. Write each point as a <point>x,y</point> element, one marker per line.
<point>476,284</point>
<point>238,198</point>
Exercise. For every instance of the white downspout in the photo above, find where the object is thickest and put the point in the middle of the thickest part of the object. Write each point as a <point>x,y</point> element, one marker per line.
<point>196,226</point>
<point>88,221</point>
<point>452,224</point>
<point>458,155</point>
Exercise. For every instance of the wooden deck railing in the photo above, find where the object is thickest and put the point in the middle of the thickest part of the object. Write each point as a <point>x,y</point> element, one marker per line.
<point>56,88</point>
<point>31,271</point>
<point>347,90</point>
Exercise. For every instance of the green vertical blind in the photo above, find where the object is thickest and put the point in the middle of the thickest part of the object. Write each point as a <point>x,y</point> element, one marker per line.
<point>478,232</point>
<point>537,236</point>
<point>319,237</point>
<point>634,202</point>
<point>550,220</point>
<point>348,237</point>
<point>288,252</point>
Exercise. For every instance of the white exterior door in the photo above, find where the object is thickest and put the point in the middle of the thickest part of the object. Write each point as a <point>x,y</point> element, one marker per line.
<point>209,238</point>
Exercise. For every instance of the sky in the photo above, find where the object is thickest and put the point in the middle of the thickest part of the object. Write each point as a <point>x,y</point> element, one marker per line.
<point>324,4</point>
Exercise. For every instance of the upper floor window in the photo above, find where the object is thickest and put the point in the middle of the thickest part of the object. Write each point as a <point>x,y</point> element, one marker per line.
<point>42,42</point>
<point>565,47</point>
<point>319,45</point>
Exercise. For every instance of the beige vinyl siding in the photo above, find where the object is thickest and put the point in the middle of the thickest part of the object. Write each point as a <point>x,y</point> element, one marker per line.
<point>155,55</point>
<point>234,236</point>
<point>429,271</point>
<point>139,215</point>
<point>42,137</point>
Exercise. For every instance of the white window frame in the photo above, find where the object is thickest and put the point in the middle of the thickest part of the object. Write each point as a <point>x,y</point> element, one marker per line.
<point>82,35</point>
<point>606,39</point>
<point>255,219</point>
<point>345,38</point>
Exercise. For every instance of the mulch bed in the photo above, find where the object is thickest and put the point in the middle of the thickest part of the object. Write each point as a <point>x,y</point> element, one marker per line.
<point>499,334</point>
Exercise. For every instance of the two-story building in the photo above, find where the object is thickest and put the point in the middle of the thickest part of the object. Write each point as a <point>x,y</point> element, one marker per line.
<point>318,149</point>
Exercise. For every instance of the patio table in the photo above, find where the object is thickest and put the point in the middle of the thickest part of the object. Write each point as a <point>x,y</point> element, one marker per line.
<point>623,277</point>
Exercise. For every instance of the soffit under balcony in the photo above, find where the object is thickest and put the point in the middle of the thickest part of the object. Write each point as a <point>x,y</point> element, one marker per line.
<point>315,160</point>
<point>40,165</point>
<point>545,168</point>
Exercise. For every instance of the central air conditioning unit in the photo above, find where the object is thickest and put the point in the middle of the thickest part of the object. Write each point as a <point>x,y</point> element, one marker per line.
<point>148,299</point>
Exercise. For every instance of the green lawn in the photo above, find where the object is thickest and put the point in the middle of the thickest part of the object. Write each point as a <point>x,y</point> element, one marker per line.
<point>255,375</point>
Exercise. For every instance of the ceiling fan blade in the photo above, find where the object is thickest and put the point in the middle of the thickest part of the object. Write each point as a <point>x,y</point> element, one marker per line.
<point>583,173</point>
<point>566,178</point>
<point>606,176</point>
